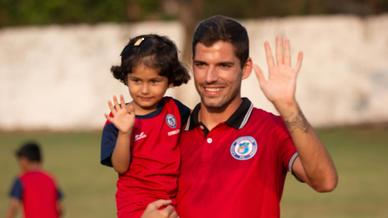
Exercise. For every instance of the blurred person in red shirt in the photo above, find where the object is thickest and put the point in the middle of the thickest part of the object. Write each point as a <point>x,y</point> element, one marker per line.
<point>34,189</point>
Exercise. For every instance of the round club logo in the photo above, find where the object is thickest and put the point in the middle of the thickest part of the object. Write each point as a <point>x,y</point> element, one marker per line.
<point>243,148</point>
<point>171,121</point>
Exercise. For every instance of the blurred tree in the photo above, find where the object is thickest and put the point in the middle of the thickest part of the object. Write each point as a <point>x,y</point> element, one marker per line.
<point>372,5</point>
<point>144,10</point>
<point>189,12</point>
<point>40,12</point>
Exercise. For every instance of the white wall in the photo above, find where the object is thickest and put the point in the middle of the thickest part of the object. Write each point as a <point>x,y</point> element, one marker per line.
<point>57,77</point>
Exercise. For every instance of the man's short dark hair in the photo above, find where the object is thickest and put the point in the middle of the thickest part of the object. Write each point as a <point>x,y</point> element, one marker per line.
<point>222,28</point>
<point>30,151</point>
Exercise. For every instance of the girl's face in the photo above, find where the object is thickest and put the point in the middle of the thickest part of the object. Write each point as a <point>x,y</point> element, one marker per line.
<point>146,88</point>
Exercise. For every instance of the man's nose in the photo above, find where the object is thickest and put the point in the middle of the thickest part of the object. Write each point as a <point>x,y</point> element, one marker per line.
<point>211,75</point>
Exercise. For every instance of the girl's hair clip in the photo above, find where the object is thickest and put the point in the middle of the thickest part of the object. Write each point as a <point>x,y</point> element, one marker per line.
<point>138,41</point>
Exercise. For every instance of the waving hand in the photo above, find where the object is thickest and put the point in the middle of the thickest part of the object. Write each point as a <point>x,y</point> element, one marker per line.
<point>123,117</point>
<point>280,85</point>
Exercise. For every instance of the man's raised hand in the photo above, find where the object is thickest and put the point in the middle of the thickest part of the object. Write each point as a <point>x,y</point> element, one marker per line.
<point>280,86</point>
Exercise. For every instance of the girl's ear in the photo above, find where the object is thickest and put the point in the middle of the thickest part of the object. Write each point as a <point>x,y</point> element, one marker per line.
<point>247,68</point>
<point>126,80</point>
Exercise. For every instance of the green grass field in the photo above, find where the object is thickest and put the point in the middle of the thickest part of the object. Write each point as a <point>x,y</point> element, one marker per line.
<point>359,154</point>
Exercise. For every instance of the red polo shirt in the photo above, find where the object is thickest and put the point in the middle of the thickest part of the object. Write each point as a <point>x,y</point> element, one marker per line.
<point>236,170</point>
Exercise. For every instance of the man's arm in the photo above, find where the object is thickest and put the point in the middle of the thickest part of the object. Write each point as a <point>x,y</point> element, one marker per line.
<point>314,164</point>
<point>13,208</point>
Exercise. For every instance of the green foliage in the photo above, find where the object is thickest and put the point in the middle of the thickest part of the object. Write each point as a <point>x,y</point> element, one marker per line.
<point>271,8</point>
<point>40,12</point>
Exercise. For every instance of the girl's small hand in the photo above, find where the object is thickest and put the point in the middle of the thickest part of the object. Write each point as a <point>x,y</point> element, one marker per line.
<point>123,117</point>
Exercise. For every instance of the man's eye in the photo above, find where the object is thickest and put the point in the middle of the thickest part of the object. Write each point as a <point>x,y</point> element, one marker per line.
<point>225,66</point>
<point>198,64</point>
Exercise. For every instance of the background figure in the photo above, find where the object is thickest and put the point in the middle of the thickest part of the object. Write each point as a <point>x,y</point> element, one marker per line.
<point>34,189</point>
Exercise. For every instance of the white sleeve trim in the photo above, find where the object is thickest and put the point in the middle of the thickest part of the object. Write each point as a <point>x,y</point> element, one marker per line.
<point>292,160</point>
<point>188,123</point>
<point>246,117</point>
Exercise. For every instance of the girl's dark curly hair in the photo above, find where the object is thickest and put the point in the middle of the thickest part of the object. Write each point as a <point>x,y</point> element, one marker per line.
<point>154,51</point>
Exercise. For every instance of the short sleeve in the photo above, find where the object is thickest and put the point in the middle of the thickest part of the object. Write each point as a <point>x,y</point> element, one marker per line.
<point>16,190</point>
<point>183,110</point>
<point>108,142</point>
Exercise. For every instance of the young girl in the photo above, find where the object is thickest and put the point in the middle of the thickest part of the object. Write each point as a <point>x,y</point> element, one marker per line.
<point>140,139</point>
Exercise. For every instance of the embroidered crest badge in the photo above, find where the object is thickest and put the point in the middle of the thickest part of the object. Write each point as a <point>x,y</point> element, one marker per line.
<point>243,148</point>
<point>171,121</point>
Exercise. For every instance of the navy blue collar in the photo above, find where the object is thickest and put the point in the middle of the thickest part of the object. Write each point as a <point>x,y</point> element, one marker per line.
<point>154,113</point>
<point>238,119</point>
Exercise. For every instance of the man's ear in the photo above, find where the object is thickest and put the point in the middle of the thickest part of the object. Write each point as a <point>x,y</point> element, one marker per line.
<point>247,68</point>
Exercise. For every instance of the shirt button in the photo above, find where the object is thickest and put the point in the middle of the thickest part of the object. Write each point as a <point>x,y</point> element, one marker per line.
<point>209,140</point>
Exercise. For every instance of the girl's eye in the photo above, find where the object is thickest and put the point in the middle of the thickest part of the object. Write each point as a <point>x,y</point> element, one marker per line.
<point>136,81</point>
<point>154,82</point>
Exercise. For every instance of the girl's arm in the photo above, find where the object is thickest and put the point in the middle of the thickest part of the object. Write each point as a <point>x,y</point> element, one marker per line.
<point>121,152</point>
<point>124,119</point>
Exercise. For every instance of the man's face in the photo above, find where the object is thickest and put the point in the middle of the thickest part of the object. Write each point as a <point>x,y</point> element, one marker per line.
<point>217,74</point>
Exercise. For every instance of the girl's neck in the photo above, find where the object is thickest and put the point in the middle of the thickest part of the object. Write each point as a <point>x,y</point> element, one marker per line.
<point>139,111</point>
<point>144,111</point>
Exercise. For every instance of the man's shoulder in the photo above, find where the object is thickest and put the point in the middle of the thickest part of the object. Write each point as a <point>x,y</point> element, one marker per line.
<point>262,116</point>
<point>258,112</point>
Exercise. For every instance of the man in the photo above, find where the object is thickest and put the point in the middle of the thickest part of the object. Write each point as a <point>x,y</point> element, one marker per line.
<point>34,189</point>
<point>237,164</point>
